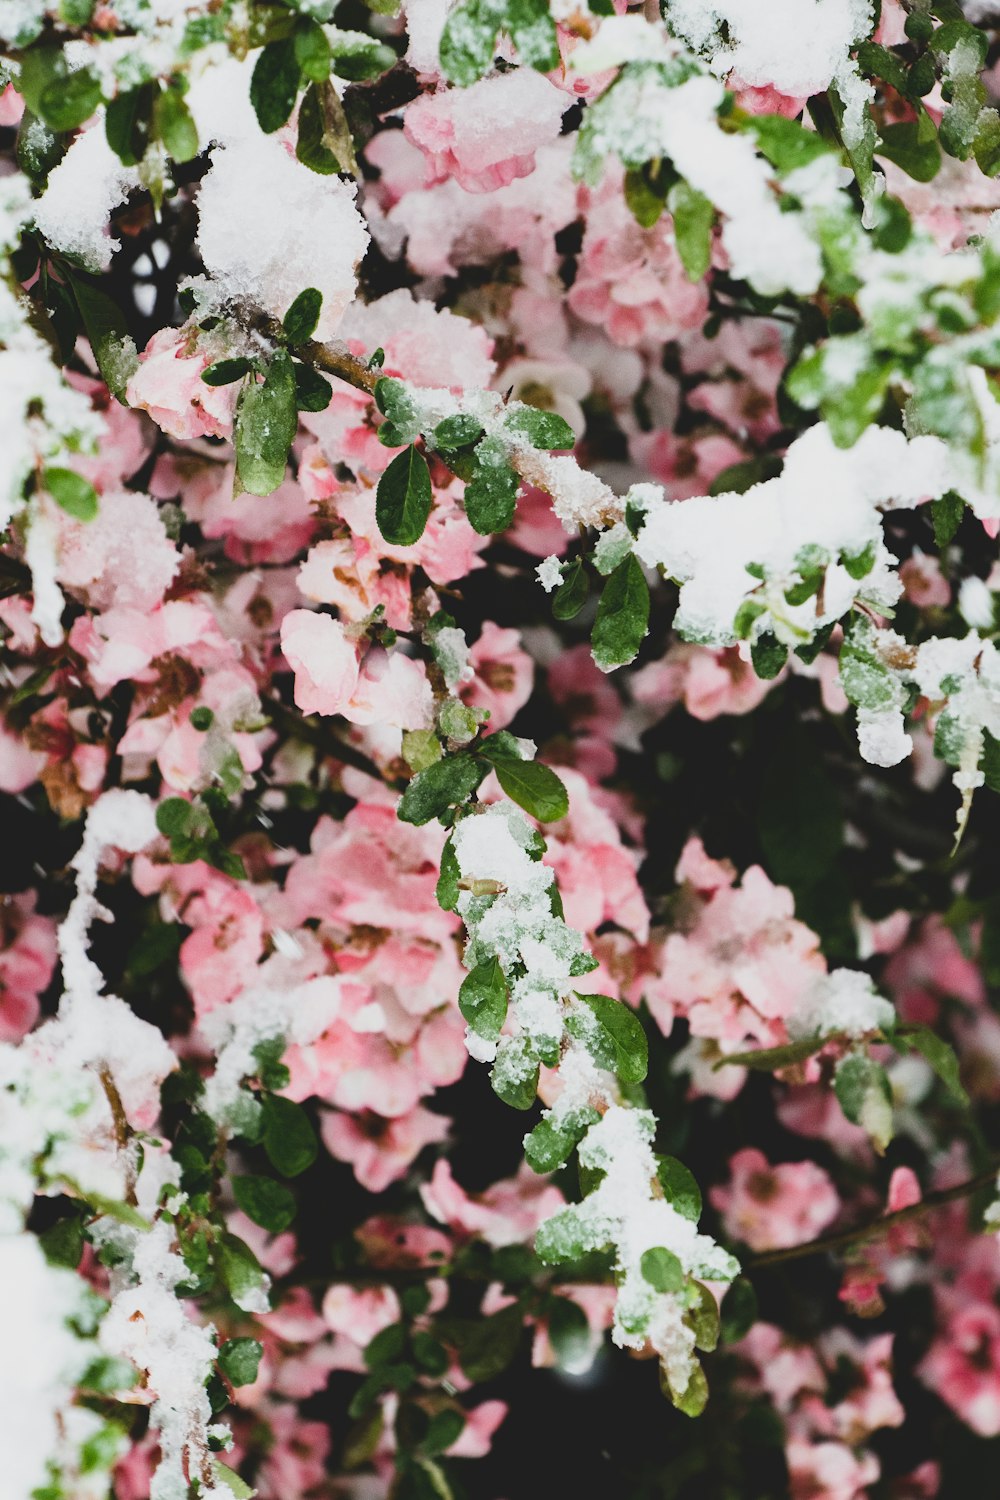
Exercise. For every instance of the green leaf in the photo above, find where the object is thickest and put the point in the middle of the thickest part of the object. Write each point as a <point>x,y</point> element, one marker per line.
<point>67,102</point>
<point>990,761</point>
<point>289,1139</point>
<point>772,1059</point>
<point>107,330</point>
<point>72,493</point>
<point>268,1203</point>
<point>225,371</point>
<point>239,1269</point>
<point>530,24</point>
<point>940,1055</point>
<point>514,1076</point>
<point>301,318</point>
<point>266,423</point>
<point>569,1333</point>
<point>386,1347</point>
<point>693,1400</point>
<point>314,146</point>
<point>490,1344</point>
<point>402,419</point>
<point>403,499</point>
<point>661,1268</point>
<point>546,1148</point>
<point>482,999</point>
<point>274,84</point>
<point>448,783</point>
<point>446,890</point>
<point>444,1428</point>
<point>491,493</point>
<point>622,616</point>
<point>312,51</point>
<point>703,1318</point>
<point>175,126</point>
<point>786,144</point>
<point>679,1187</point>
<point>313,392</point>
<point>460,431</point>
<point>542,429</point>
<point>239,1360</point>
<point>224,1475</point>
<point>645,197</point>
<point>768,655</point>
<point>468,41</point>
<point>533,786</point>
<point>946,515</point>
<point>864,1094</point>
<point>694,216</point>
<point>127,122</point>
<point>571,595</point>
<point>912,145</point>
<point>738,1311</point>
<point>62,1243</point>
<point>618,1041</point>
<point>174,816</point>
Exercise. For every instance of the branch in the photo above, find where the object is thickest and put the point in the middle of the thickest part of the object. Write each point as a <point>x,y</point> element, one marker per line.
<point>303,728</point>
<point>875,1227</point>
<point>122,1132</point>
<point>327,357</point>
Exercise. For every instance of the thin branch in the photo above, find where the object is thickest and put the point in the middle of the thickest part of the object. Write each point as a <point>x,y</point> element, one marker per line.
<point>875,1227</point>
<point>123,1134</point>
<point>315,733</point>
<point>335,361</point>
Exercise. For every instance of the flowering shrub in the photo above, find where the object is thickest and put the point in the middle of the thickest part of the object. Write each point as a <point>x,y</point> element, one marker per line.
<point>499,735</point>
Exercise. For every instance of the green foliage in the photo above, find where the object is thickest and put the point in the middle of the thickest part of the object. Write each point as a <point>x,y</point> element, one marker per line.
<point>533,786</point>
<point>266,422</point>
<point>542,429</point>
<point>571,595</point>
<point>239,1360</point>
<point>912,145</point>
<point>300,320</point>
<point>693,217</point>
<point>617,1041</point>
<point>622,616</point>
<point>274,85</point>
<point>239,1269</point>
<point>403,498</point>
<point>266,1202</point>
<point>468,41</point>
<point>491,493</point>
<point>679,1187</point>
<point>482,999</point>
<point>864,1094</point>
<point>289,1139</point>
<point>661,1268</point>
<point>72,493</point>
<point>448,783</point>
<point>941,1057</point>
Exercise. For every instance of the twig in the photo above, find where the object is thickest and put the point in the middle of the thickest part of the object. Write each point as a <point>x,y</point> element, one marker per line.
<point>875,1226</point>
<point>122,1132</point>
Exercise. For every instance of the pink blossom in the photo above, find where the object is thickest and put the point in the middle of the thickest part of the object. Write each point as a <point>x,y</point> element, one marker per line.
<point>324,661</point>
<point>508,1213</point>
<point>380,1151</point>
<point>503,674</point>
<point>768,1207</point>
<point>486,135</point>
<point>169,386</point>
<point>476,1437</point>
<point>27,963</point>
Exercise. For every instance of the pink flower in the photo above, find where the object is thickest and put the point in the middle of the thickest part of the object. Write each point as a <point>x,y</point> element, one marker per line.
<point>360,1312</point>
<point>503,674</point>
<point>27,963</point>
<point>324,661</point>
<point>768,1207</point>
<point>486,135</point>
<point>380,1151</point>
<point>476,1437</point>
<point>508,1213</point>
<point>169,386</point>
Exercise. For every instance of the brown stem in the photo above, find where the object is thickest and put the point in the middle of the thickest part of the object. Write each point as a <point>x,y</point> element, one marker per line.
<point>328,357</point>
<point>324,739</point>
<point>875,1226</point>
<point>122,1132</point>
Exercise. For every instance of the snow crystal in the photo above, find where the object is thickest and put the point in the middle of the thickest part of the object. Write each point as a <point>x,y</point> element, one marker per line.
<point>549,573</point>
<point>80,193</point>
<point>844,1001</point>
<point>316,240</point>
<point>797,46</point>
